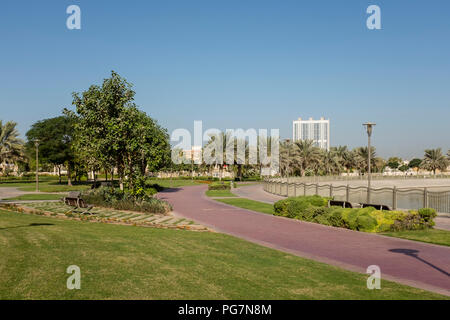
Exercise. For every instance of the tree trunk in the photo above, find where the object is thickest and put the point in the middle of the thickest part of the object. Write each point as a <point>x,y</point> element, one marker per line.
<point>69,179</point>
<point>59,173</point>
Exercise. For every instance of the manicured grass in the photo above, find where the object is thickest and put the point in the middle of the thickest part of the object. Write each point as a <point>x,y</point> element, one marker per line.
<point>125,262</point>
<point>219,193</point>
<point>435,236</point>
<point>38,196</point>
<point>249,204</point>
<point>54,186</point>
<point>167,183</point>
<point>47,186</point>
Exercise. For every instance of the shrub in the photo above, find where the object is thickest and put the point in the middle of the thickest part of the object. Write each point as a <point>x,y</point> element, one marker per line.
<point>427,214</point>
<point>283,207</point>
<point>365,222</point>
<point>224,185</point>
<point>314,209</point>
<point>122,200</point>
<point>412,221</point>
<point>336,218</point>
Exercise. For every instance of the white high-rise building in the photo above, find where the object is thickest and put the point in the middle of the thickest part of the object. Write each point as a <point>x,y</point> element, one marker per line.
<point>316,130</point>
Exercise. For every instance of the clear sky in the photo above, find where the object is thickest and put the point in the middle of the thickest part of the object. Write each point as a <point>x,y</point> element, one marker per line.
<point>241,64</point>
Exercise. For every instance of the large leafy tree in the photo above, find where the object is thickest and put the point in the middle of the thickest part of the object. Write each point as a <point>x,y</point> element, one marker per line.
<point>394,162</point>
<point>415,163</point>
<point>55,137</point>
<point>434,160</point>
<point>111,132</point>
<point>11,147</point>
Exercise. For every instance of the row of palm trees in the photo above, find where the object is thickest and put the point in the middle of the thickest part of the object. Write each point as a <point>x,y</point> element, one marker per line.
<point>304,158</point>
<point>296,158</point>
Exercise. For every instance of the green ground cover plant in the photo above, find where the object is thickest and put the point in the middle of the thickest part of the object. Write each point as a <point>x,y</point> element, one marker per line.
<point>249,205</point>
<point>38,196</point>
<point>126,262</point>
<point>48,186</point>
<point>435,236</point>
<point>219,193</point>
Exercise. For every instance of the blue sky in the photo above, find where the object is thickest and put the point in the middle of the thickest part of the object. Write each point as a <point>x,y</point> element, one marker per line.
<point>241,64</point>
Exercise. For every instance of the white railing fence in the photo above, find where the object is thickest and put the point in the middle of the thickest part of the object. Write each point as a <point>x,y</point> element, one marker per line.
<point>404,198</point>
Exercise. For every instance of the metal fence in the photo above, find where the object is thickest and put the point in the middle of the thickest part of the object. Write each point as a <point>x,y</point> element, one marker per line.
<point>404,198</point>
<point>375,176</point>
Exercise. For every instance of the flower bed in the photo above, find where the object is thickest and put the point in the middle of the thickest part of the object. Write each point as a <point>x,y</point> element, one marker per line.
<point>315,209</point>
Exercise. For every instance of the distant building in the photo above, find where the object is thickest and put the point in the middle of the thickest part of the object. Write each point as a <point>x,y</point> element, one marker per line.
<point>194,154</point>
<point>316,130</point>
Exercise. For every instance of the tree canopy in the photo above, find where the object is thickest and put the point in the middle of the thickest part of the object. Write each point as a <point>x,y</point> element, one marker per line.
<point>55,137</point>
<point>110,131</point>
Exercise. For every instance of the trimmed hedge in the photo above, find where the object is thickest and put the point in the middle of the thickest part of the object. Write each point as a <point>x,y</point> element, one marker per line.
<point>122,200</point>
<point>224,185</point>
<point>314,209</point>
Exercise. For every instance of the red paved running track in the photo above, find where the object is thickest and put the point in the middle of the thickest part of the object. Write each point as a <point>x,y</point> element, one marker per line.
<point>427,267</point>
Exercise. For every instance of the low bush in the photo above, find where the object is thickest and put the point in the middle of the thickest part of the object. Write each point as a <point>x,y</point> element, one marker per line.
<point>123,200</point>
<point>291,207</point>
<point>223,185</point>
<point>314,209</point>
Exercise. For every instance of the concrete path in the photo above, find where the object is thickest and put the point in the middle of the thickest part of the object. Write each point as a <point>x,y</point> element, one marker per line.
<point>413,263</point>
<point>256,192</point>
<point>9,192</point>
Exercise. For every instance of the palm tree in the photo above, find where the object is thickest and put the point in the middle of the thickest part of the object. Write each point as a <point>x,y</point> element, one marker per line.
<point>343,158</point>
<point>361,157</point>
<point>306,156</point>
<point>11,147</point>
<point>287,154</point>
<point>434,160</point>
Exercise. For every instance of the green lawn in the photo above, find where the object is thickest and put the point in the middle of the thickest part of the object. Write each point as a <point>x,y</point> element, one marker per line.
<point>31,196</point>
<point>219,193</point>
<point>167,183</point>
<point>435,236</point>
<point>125,262</point>
<point>47,186</point>
<point>249,204</point>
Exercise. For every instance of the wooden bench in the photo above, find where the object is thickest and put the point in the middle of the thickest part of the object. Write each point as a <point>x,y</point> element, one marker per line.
<point>74,200</point>
<point>376,206</point>
<point>337,203</point>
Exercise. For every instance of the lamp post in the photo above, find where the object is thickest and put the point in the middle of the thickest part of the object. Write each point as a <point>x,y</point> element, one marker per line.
<point>369,126</point>
<point>192,164</point>
<point>289,155</point>
<point>36,143</point>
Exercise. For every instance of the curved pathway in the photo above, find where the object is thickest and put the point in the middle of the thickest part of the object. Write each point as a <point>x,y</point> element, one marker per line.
<point>11,192</point>
<point>413,263</point>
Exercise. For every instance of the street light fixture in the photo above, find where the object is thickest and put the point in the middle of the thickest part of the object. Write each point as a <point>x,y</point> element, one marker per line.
<point>288,159</point>
<point>36,143</point>
<point>369,126</point>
